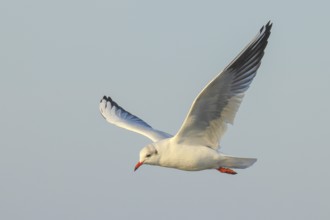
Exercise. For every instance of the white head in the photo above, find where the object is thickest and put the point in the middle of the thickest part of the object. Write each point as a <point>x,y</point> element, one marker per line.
<point>148,155</point>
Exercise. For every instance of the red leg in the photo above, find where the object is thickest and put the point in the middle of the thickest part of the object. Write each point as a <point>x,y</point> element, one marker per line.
<point>226,170</point>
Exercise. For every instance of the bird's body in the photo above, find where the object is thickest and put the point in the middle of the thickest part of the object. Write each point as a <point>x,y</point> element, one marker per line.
<point>191,157</point>
<point>185,157</point>
<point>196,144</point>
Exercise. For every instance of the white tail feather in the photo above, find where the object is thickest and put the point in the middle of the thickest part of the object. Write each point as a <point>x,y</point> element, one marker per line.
<point>237,162</point>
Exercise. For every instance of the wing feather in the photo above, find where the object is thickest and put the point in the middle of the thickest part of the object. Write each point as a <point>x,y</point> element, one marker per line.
<point>217,104</point>
<point>115,114</point>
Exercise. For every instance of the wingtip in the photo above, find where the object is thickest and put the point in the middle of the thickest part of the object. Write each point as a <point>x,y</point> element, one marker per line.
<point>267,27</point>
<point>106,98</point>
<point>109,99</point>
<point>105,102</point>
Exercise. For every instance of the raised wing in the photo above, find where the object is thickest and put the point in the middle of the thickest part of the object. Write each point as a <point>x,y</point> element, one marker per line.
<point>118,116</point>
<point>217,104</point>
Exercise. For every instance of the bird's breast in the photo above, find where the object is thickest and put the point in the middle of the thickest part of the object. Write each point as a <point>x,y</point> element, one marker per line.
<point>190,158</point>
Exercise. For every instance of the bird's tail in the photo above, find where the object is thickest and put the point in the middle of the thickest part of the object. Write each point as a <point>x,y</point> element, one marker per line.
<point>237,162</point>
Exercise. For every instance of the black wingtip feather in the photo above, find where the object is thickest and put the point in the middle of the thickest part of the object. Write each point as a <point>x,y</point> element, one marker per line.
<point>104,98</point>
<point>255,47</point>
<point>109,99</point>
<point>268,26</point>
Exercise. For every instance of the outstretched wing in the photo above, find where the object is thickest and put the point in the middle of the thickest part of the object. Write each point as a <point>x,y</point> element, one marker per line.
<point>118,116</point>
<point>217,104</point>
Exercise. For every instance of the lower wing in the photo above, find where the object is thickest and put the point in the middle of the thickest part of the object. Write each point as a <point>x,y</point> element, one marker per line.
<point>118,116</point>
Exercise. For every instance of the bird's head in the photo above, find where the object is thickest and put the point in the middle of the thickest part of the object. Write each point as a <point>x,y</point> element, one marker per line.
<point>148,155</point>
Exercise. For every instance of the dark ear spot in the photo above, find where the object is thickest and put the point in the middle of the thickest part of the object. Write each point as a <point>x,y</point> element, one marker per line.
<point>156,152</point>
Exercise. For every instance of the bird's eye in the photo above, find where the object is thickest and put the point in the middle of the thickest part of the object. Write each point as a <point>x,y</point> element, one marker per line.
<point>148,155</point>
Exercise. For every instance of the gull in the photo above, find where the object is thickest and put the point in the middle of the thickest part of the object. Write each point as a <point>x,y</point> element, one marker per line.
<point>196,145</point>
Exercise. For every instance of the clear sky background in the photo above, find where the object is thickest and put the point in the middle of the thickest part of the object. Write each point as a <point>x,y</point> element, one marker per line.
<point>59,159</point>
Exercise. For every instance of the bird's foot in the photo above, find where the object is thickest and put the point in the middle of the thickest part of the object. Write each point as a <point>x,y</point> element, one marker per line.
<point>226,170</point>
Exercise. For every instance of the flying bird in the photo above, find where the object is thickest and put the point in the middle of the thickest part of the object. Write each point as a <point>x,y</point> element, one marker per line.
<point>196,144</point>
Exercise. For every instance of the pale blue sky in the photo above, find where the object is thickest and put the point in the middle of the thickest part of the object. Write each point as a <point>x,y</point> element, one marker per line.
<point>60,160</point>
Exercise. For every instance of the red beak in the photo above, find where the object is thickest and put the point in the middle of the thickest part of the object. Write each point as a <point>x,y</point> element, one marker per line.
<point>138,165</point>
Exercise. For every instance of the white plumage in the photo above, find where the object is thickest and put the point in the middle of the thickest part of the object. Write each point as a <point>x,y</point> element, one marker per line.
<point>195,146</point>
